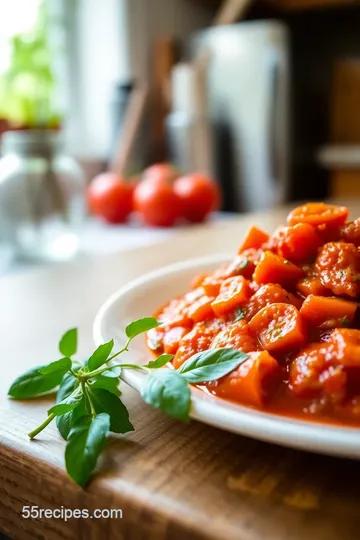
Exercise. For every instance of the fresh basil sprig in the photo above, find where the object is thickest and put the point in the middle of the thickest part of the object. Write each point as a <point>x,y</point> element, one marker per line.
<point>210,365</point>
<point>88,401</point>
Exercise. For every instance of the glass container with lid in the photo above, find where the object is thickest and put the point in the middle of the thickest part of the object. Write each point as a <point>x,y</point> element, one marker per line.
<point>42,196</point>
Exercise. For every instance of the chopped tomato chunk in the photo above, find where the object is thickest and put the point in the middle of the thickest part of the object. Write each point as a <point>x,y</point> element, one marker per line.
<point>254,382</point>
<point>233,292</point>
<point>275,269</point>
<point>279,328</point>
<point>254,239</point>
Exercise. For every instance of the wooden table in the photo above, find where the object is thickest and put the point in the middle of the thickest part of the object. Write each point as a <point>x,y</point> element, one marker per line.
<point>172,481</point>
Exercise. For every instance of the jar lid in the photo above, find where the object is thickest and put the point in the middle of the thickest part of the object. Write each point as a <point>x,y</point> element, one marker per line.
<point>33,142</point>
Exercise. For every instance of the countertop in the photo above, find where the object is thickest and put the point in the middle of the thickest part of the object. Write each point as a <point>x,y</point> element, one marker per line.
<point>171,481</point>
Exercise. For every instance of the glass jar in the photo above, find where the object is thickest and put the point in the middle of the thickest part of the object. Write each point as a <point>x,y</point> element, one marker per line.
<point>42,196</point>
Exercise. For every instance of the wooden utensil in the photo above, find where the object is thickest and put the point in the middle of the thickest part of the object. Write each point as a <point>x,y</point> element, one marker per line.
<point>231,11</point>
<point>132,122</point>
<point>164,60</point>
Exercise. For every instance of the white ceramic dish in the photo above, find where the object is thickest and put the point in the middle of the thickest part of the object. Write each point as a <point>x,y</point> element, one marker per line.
<point>141,298</point>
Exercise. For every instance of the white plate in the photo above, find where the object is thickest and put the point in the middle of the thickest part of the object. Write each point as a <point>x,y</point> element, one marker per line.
<point>141,298</point>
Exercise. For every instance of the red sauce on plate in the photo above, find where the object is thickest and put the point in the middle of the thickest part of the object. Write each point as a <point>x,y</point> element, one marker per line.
<point>290,302</point>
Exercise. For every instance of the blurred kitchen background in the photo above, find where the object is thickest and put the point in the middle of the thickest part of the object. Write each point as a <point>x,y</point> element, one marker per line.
<point>261,96</point>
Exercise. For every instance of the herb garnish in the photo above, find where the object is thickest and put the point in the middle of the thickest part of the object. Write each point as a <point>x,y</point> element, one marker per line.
<point>88,404</point>
<point>239,314</point>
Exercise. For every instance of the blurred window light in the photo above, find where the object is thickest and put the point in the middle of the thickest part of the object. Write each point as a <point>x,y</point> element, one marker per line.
<point>17,17</point>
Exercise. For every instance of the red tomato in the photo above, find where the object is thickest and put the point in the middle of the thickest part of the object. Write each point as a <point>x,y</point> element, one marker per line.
<point>157,203</point>
<point>110,197</point>
<point>200,196</point>
<point>160,172</point>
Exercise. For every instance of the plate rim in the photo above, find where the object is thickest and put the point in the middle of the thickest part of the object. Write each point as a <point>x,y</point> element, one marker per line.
<point>311,436</point>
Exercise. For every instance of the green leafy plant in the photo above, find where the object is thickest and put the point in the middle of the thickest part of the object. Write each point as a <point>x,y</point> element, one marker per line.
<point>88,401</point>
<point>27,87</point>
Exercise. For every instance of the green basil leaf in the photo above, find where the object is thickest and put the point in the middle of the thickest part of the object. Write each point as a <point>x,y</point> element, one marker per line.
<point>239,314</point>
<point>107,383</point>
<point>66,421</point>
<point>105,401</point>
<point>67,405</point>
<point>68,343</point>
<point>62,408</point>
<point>211,365</point>
<point>67,386</point>
<point>87,440</point>
<point>64,364</point>
<point>32,383</point>
<point>160,362</point>
<point>140,326</point>
<point>168,391</point>
<point>99,357</point>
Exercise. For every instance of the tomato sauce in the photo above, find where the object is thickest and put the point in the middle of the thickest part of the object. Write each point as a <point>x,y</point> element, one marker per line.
<point>289,301</point>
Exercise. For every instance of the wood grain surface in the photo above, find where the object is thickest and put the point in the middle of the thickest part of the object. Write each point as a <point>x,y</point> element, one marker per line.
<point>172,481</point>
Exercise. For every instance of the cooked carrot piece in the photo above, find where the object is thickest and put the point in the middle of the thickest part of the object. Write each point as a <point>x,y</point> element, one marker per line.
<point>338,266</point>
<point>346,336</point>
<point>211,285</point>
<point>253,383</point>
<point>330,311</point>
<point>271,293</point>
<point>254,239</point>
<point>319,214</point>
<point>297,244</point>
<point>312,285</point>
<point>279,328</point>
<point>315,372</point>
<point>155,339</point>
<point>172,338</point>
<point>198,280</point>
<point>351,232</point>
<point>242,265</point>
<point>175,312</point>
<point>236,336</point>
<point>234,292</point>
<point>198,339</point>
<point>275,269</point>
<point>347,342</point>
<point>201,309</point>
